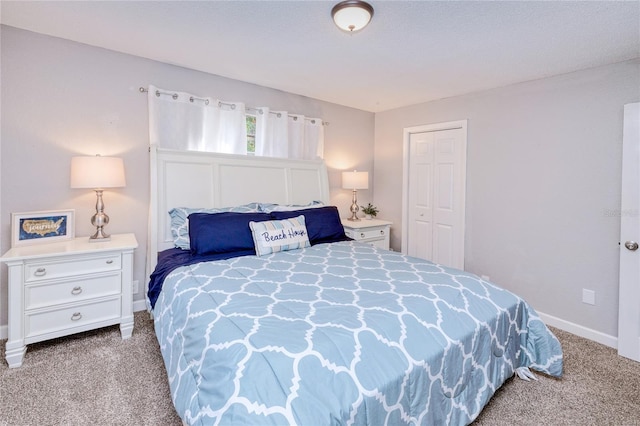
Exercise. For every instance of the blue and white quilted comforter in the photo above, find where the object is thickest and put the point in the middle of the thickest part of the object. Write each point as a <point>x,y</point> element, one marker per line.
<point>341,333</point>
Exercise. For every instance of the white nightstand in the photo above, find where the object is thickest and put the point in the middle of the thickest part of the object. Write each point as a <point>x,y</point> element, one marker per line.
<point>67,287</point>
<point>371,231</point>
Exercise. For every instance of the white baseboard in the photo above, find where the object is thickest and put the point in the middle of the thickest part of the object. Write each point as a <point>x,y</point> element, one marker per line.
<point>579,330</point>
<point>139,305</point>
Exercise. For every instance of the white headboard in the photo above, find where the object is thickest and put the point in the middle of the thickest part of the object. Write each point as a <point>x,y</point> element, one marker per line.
<point>205,179</point>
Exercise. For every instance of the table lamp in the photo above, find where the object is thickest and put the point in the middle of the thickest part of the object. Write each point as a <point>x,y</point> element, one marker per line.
<point>355,180</point>
<point>97,173</point>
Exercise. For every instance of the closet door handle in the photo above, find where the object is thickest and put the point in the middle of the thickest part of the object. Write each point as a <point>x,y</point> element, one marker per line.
<point>631,245</point>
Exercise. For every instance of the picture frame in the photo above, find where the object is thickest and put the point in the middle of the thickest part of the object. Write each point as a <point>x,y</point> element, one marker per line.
<point>42,227</point>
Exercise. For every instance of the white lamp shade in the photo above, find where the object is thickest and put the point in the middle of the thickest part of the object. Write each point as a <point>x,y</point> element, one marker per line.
<point>352,15</point>
<point>355,180</point>
<point>97,172</point>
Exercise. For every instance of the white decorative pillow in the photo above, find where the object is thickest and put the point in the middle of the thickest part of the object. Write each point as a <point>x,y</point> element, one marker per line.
<point>270,207</point>
<point>272,236</point>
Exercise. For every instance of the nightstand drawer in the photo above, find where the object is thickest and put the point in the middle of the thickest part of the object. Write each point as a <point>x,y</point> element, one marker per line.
<point>71,290</point>
<point>362,234</point>
<point>74,316</point>
<point>373,231</point>
<point>39,271</point>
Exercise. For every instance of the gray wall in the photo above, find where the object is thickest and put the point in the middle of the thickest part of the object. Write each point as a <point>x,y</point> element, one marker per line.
<point>61,99</point>
<point>543,185</point>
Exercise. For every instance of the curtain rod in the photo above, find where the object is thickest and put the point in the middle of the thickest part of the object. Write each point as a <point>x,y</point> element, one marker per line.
<point>232,106</point>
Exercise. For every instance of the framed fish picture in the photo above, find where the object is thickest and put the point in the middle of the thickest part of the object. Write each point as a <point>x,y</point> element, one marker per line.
<point>42,227</point>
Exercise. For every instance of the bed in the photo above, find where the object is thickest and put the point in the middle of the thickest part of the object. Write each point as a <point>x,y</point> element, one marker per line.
<point>268,314</point>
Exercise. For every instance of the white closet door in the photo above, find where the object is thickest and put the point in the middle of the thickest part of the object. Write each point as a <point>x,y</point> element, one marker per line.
<point>629,306</point>
<point>421,196</point>
<point>436,196</point>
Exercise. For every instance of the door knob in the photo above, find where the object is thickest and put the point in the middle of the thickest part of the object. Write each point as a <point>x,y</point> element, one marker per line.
<point>631,245</point>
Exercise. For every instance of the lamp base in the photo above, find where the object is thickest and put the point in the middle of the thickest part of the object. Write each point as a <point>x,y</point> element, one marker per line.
<point>99,237</point>
<point>354,208</point>
<point>99,220</point>
<point>99,240</point>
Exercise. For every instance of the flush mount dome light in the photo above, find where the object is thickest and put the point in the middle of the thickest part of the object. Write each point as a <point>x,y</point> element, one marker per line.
<point>352,15</point>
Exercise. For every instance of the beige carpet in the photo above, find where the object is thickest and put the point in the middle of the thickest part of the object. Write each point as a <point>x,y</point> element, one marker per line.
<point>95,378</point>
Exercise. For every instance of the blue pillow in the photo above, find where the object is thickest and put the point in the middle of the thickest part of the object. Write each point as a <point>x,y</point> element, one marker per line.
<point>323,223</point>
<point>180,224</point>
<point>222,232</point>
<point>279,235</point>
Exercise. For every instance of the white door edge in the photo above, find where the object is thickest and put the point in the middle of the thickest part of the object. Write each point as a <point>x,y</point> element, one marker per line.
<point>449,125</point>
<point>629,296</point>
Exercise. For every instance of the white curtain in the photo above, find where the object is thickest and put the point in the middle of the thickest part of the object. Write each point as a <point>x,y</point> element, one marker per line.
<point>174,121</point>
<point>183,121</point>
<point>313,138</point>
<point>179,120</point>
<point>296,136</point>
<point>272,133</point>
<point>280,134</point>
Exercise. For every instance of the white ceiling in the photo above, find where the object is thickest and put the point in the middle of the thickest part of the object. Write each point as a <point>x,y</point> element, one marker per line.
<point>411,52</point>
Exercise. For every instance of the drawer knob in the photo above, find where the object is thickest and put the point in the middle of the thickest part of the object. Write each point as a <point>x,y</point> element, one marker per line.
<point>382,232</point>
<point>362,235</point>
<point>109,262</point>
<point>76,290</point>
<point>40,272</point>
<point>76,316</point>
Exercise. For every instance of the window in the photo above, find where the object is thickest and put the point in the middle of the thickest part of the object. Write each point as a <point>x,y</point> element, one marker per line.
<point>251,134</point>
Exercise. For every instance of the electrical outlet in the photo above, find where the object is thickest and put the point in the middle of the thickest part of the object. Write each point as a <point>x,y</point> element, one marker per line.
<point>588,296</point>
<point>485,277</point>
<point>136,286</point>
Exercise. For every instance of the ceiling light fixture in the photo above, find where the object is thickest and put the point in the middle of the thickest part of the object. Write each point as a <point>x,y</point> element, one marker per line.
<point>352,15</point>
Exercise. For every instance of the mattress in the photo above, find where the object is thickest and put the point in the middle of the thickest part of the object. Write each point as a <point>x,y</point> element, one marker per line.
<point>341,333</point>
